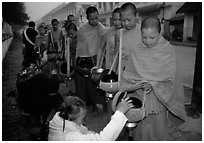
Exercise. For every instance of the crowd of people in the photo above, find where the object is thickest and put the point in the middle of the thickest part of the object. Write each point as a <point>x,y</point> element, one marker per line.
<point>146,56</point>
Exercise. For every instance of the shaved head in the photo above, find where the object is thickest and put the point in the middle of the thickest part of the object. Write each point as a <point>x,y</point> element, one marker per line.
<point>128,6</point>
<point>151,22</point>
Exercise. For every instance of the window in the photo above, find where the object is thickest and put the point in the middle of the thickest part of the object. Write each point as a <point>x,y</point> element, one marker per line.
<point>111,5</point>
<point>99,5</point>
<point>104,6</point>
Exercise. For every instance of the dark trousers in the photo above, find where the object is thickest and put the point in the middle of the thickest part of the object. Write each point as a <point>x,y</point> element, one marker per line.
<point>87,90</point>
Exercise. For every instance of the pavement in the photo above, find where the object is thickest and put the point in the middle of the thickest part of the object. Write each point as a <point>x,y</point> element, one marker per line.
<point>21,127</point>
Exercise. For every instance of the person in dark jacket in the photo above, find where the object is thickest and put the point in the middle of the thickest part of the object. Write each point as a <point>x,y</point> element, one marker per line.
<point>29,35</point>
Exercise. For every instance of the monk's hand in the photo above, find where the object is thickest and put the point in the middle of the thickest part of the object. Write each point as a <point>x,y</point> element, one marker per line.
<point>146,86</point>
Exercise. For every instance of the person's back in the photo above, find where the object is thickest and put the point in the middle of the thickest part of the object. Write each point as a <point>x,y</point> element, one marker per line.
<point>29,35</point>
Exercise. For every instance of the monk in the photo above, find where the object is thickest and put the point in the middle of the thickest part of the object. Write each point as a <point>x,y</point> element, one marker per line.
<point>88,41</point>
<point>110,42</point>
<point>153,60</point>
<point>131,29</point>
<point>56,45</point>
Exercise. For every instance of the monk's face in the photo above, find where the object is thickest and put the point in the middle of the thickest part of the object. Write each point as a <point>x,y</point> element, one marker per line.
<point>117,20</point>
<point>128,19</point>
<point>93,19</point>
<point>72,19</point>
<point>41,31</point>
<point>150,36</point>
<point>55,25</point>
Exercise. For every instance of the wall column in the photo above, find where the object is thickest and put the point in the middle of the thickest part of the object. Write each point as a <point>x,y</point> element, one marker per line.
<point>190,26</point>
<point>185,27</point>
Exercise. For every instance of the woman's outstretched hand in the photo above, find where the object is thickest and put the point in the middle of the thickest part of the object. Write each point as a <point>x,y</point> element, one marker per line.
<point>125,104</point>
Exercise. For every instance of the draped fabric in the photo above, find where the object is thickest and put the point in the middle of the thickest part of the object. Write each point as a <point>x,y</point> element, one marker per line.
<point>88,40</point>
<point>42,43</point>
<point>130,39</point>
<point>56,39</point>
<point>158,66</point>
<point>112,39</point>
<point>112,46</point>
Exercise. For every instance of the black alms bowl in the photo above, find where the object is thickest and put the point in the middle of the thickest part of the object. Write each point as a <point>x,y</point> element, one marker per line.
<point>135,101</point>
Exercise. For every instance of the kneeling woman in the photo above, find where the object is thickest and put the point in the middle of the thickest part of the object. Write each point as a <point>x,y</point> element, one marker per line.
<point>67,123</point>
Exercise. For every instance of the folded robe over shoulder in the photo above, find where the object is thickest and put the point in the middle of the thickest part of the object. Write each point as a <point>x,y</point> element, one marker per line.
<point>88,39</point>
<point>158,66</point>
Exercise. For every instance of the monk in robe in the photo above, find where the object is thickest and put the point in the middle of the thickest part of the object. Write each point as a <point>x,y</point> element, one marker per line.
<point>153,60</point>
<point>56,46</point>
<point>88,40</point>
<point>131,29</point>
<point>110,43</point>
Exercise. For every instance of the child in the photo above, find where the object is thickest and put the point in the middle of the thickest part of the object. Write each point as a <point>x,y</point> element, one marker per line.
<point>71,19</point>
<point>67,124</point>
<point>153,60</point>
<point>71,39</point>
<point>41,45</point>
<point>72,33</point>
<point>56,44</point>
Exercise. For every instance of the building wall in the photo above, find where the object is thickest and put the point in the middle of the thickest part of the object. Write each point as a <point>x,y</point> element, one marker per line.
<point>163,10</point>
<point>62,13</point>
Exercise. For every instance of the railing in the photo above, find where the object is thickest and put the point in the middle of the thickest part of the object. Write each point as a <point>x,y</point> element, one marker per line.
<point>7,37</point>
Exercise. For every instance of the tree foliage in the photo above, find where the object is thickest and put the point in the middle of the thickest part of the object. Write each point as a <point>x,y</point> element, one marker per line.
<point>14,13</point>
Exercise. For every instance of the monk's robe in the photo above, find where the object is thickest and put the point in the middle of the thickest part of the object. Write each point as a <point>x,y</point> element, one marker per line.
<point>130,39</point>
<point>88,40</point>
<point>57,38</point>
<point>158,66</point>
<point>110,39</point>
<point>41,42</point>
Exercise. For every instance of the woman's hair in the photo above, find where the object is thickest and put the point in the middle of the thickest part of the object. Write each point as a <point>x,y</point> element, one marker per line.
<point>31,24</point>
<point>71,107</point>
<point>71,26</point>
